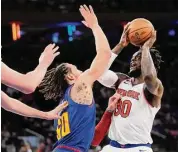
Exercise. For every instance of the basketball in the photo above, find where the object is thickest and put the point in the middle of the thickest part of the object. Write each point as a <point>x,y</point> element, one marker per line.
<point>140,30</point>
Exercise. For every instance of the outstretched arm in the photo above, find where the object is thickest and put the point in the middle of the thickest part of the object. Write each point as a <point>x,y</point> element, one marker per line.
<point>153,84</point>
<point>27,83</point>
<point>18,107</point>
<point>109,78</point>
<point>103,50</point>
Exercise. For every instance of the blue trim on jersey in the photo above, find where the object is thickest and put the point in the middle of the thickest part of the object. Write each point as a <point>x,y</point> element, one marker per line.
<point>118,145</point>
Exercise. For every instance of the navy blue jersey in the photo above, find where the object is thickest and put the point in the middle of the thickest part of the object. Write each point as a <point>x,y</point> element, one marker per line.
<point>76,127</point>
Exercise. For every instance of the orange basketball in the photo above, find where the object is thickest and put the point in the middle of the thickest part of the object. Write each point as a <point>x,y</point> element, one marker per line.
<point>139,31</point>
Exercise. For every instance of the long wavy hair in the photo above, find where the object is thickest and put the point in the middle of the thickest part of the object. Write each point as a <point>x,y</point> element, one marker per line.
<point>54,83</point>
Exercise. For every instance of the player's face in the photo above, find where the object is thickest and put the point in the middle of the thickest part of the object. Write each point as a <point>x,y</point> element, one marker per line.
<point>135,64</point>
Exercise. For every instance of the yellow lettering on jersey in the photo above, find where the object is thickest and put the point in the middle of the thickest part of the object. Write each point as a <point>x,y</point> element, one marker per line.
<point>59,129</point>
<point>63,128</point>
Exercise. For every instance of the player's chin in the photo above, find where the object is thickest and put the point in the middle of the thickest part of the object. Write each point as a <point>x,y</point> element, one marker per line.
<point>134,72</point>
<point>132,68</point>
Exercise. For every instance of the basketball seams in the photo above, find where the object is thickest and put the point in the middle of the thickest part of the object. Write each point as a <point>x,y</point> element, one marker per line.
<point>138,29</point>
<point>144,38</point>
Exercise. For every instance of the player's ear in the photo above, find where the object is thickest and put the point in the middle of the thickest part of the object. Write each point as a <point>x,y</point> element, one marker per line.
<point>70,76</point>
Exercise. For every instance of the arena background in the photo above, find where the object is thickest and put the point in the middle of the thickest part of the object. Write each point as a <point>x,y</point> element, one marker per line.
<point>29,25</point>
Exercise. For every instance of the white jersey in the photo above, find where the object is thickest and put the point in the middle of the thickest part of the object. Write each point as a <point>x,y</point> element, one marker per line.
<point>133,119</point>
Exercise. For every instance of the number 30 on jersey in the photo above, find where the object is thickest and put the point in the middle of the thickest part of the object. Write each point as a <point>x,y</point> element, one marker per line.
<point>123,108</point>
<point>63,127</point>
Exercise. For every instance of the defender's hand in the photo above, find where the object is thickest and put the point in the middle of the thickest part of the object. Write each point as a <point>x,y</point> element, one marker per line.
<point>124,39</point>
<point>89,16</point>
<point>53,114</point>
<point>149,43</point>
<point>112,104</point>
<point>48,55</point>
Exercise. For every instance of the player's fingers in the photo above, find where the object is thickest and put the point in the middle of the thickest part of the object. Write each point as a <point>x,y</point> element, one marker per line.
<point>112,98</point>
<point>47,47</point>
<point>154,33</point>
<point>91,9</point>
<point>128,24</point>
<point>115,101</point>
<point>116,95</point>
<point>55,49</point>
<point>126,31</point>
<point>126,27</point>
<point>82,8</point>
<point>56,117</point>
<point>51,47</point>
<point>82,12</point>
<point>62,106</point>
<point>86,8</point>
<point>85,23</point>
<point>56,54</point>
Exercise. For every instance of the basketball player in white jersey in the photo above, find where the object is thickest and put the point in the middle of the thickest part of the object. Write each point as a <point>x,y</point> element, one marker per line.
<point>141,93</point>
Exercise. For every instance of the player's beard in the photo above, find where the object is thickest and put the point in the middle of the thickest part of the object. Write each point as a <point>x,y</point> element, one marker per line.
<point>135,73</point>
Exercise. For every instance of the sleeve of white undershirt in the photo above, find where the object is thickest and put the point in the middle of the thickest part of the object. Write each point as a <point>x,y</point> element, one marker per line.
<point>109,77</point>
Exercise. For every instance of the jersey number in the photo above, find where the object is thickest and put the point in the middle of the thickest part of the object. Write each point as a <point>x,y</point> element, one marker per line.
<point>123,108</point>
<point>63,127</point>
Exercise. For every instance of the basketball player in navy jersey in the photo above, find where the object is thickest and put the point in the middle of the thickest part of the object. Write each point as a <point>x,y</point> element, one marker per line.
<point>75,130</point>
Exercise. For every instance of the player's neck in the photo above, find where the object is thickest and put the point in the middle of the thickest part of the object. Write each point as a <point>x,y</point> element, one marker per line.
<point>71,82</point>
<point>138,80</point>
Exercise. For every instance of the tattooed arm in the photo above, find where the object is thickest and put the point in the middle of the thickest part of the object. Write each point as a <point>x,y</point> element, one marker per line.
<point>152,83</point>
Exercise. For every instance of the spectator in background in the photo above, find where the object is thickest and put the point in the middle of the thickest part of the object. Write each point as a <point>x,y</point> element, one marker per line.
<point>41,147</point>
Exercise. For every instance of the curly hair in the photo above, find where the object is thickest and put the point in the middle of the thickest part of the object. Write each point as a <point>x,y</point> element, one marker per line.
<point>54,83</point>
<point>156,56</point>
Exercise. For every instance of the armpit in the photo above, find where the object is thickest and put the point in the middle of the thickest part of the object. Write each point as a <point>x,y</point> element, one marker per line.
<point>121,77</point>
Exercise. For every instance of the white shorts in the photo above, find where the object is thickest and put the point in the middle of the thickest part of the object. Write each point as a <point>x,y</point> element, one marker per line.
<point>109,148</point>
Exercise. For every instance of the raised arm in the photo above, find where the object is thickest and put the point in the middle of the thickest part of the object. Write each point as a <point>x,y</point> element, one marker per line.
<point>18,107</point>
<point>123,40</point>
<point>101,60</point>
<point>110,78</point>
<point>27,83</point>
<point>153,84</point>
